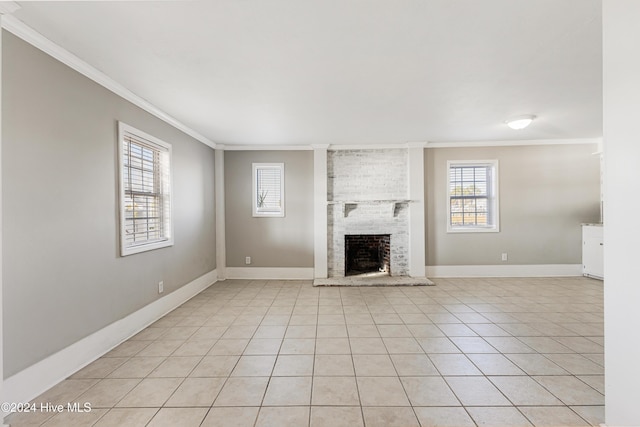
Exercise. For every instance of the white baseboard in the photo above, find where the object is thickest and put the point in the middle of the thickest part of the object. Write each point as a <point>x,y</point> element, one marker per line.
<point>34,380</point>
<point>535,270</point>
<point>277,273</point>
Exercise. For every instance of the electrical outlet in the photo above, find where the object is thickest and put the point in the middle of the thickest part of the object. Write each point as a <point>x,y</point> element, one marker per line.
<point>247,260</point>
<point>160,287</point>
<point>504,256</point>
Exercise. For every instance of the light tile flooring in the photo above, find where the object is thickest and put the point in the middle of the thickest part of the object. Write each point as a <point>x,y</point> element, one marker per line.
<point>466,352</point>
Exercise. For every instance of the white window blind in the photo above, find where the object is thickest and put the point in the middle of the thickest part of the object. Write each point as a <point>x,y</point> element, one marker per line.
<point>268,189</point>
<point>472,196</point>
<point>145,199</point>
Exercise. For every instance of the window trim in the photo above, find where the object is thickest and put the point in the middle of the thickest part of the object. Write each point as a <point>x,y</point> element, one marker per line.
<point>493,199</point>
<point>167,240</point>
<point>254,190</point>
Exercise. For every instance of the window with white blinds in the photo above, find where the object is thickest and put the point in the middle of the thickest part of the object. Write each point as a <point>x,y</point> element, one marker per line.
<point>268,189</point>
<point>145,191</point>
<point>472,196</point>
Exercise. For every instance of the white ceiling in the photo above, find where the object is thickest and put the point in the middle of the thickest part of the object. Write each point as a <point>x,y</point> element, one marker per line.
<point>289,72</point>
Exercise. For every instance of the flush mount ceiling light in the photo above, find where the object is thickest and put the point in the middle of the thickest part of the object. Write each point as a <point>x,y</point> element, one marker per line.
<point>520,122</point>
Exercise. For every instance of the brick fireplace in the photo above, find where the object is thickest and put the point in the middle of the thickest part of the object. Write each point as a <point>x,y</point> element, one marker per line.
<point>367,193</point>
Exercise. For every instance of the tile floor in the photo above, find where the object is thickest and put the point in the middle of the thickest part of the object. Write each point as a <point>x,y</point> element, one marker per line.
<point>466,352</point>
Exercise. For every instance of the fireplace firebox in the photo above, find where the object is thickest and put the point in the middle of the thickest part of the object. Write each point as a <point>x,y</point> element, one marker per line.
<point>367,253</point>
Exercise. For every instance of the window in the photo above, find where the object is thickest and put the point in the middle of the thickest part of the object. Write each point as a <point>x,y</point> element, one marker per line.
<point>472,196</point>
<point>145,191</point>
<point>268,189</point>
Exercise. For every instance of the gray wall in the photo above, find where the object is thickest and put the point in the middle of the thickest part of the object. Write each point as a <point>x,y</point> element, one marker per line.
<point>546,192</point>
<point>63,278</point>
<point>270,242</point>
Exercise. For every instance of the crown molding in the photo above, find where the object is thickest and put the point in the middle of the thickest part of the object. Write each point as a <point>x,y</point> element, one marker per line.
<point>268,147</point>
<point>8,7</point>
<point>28,34</point>
<point>337,147</point>
<point>511,143</point>
<point>417,144</point>
<point>330,147</point>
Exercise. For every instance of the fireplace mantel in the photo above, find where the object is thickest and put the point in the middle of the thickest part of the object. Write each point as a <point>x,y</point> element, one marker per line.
<point>350,205</point>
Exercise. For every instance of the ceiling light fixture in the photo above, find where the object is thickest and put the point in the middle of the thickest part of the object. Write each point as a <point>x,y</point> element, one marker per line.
<point>520,122</point>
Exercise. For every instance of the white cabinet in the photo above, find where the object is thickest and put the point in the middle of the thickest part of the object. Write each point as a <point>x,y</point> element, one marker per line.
<point>592,251</point>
